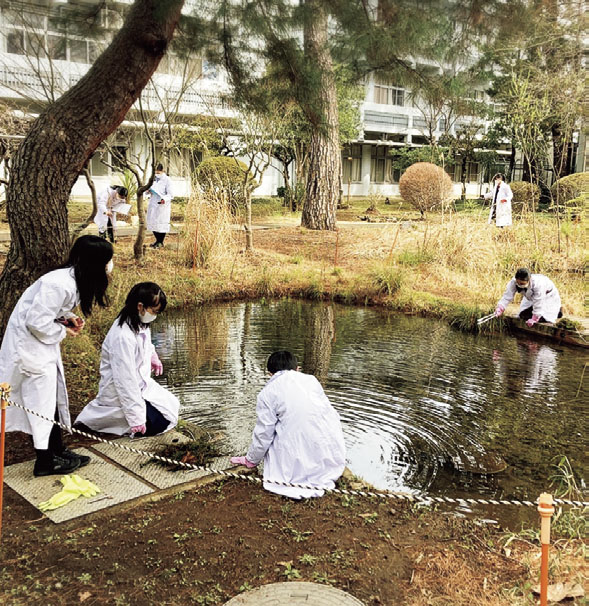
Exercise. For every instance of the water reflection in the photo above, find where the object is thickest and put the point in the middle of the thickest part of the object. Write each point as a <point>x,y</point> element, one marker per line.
<point>424,407</point>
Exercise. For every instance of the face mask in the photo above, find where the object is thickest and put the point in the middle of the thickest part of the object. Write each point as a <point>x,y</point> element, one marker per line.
<point>521,288</point>
<point>109,266</point>
<point>147,318</point>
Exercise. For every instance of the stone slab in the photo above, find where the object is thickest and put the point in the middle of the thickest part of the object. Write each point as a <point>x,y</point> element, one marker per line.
<point>294,593</point>
<point>153,472</point>
<point>116,486</point>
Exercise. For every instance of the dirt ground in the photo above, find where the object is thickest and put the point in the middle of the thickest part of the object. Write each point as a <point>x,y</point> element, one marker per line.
<point>205,545</point>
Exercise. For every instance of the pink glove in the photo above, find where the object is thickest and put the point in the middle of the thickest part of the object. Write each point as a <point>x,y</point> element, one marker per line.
<point>242,461</point>
<point>533,320</point>
<point>138,429</point>
<point>156,365</point>
<point>499,310</point>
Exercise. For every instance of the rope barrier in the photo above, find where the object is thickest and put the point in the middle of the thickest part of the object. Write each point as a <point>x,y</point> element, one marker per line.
<point>427,499</point>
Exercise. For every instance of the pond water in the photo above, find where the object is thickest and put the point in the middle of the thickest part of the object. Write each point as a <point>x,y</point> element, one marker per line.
<point>424,408</point>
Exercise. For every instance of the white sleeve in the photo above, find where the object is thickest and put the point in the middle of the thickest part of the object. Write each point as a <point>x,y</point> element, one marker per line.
<point>509,293</point>
<point>124,373</point>
<point>508,193</point>
<point>45,308</point>
<point>263,431</point>
<point>167,194</point>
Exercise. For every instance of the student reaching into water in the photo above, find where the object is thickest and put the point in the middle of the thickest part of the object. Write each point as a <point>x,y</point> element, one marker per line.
<point>298,432</point>
<point>30,358</point>
<point>129,401</point>
<point>540,297</point>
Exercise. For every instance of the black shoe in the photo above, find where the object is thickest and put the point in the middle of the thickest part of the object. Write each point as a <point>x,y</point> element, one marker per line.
<point>58,466</point>
<point>153,245</point>
<point>70,455</point>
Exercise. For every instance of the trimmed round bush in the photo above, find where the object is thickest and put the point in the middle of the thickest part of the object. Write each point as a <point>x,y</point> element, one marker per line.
<point>525,196</point>
<point>571,192</point>
<point>223,177</point>
<point>426,186</point>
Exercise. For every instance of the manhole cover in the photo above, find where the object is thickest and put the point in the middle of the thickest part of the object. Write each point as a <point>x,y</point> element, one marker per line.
<point>291,594</point>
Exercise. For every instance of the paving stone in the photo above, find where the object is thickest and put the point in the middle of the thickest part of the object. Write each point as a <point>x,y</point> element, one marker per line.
<point>294,593</point>
<point>116,486</point>
<point>153,472</point>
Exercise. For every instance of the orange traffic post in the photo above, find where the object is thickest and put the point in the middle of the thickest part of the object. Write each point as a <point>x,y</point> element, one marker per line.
<point>4,391</point>
<point>546,510</point>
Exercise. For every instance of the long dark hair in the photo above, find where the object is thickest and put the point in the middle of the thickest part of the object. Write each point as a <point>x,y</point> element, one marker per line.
<point>147,293</point>
<point>89,256</point>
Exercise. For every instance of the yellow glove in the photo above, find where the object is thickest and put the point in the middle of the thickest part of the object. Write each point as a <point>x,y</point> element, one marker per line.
<point>73,487</point>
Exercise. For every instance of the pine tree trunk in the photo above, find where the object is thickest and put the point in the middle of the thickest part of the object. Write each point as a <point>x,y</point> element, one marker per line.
<point>63,138</point>
<point>324,180</point>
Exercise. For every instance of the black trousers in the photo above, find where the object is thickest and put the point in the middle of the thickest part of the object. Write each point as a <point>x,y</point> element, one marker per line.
<point>45,457</point>
<point>155,420</point>
<point>159,237</point>
<point>109,230</point>
<point>527,313</point>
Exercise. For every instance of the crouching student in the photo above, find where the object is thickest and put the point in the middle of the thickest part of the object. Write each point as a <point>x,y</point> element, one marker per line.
<point>298,433</point>
<point>540,297</point>
<point>129,401</point>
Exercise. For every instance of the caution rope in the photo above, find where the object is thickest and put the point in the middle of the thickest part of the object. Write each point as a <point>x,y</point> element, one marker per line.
<point>425,499</point>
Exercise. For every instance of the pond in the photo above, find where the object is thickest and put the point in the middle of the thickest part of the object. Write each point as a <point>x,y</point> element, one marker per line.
<point>424,408</point>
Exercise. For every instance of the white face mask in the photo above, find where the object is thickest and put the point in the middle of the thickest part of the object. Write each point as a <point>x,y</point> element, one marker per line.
<point>109,266</point>
<point>147,317</point>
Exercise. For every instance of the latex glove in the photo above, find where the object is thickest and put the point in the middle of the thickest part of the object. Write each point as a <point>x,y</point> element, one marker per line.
<point>156,365</point>
<point>499,310</point>
<point>138,429</point>
<point>242,461</point>
<point>73,487</point>
<point>533,320</point>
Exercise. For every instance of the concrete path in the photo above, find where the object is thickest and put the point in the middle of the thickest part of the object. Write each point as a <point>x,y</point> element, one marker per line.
<point>121,476</point>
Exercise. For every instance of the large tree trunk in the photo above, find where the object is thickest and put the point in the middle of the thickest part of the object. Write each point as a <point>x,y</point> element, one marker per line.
<point>324,179</point>
<point>63,138</point>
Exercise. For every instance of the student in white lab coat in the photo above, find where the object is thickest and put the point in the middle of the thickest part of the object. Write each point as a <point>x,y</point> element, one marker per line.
<point>501,196</point>
<point>160,206</point>
<point>30,358</point>
<point>540,297</point>
<point>298,432</point>
<point>129,401</point>
<point>106,216</point>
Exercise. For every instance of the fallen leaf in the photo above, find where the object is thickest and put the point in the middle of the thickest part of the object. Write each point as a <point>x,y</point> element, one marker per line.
<point>561,591</point>
<point>84,596</point>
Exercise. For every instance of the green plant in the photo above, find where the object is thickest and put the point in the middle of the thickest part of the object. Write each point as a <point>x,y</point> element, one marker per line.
<point>570,188</point>
<point>289,572</point>
<point>525,196</point>
<point>308,559</point>
<point>388,280</point>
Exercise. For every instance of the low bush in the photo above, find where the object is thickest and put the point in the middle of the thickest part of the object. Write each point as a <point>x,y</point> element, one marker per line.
<point>426,186</point>
<point>571,193</point>
<point>526,196</point>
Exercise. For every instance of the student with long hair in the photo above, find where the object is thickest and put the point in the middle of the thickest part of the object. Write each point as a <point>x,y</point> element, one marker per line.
<point>30,357</point>
<point>129,401</point>
<point>160,206</point>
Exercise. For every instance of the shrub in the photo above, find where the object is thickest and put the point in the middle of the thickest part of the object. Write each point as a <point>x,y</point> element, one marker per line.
<point>224,177</point>
<point>525,196</point>
<point>571,193</point>
<point>426,186</point>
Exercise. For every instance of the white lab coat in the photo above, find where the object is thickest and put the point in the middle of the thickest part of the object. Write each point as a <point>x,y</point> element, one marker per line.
<point>160,205</point>
<point>30,357</point>
<point>503,213</point>
<point>125,384</point>
<point>298,434</point>
<point>541,295</point>
<point>105,202</point>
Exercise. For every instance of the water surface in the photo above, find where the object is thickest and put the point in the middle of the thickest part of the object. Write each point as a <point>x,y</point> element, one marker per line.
<point>424,408</point>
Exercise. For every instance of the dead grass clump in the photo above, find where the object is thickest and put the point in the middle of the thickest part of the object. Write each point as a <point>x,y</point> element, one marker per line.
<point>206,239</point>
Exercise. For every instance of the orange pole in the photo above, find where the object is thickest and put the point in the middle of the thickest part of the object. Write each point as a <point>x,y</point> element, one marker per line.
<point>4,390</point>
<point>546,510</point>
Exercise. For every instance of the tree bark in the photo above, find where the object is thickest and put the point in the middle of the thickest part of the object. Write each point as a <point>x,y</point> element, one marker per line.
<point>63,138</point>
<point>324,179</point>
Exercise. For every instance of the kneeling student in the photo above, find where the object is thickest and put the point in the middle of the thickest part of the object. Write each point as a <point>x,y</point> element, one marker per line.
<point>298,432</point>
<point>129,400</point>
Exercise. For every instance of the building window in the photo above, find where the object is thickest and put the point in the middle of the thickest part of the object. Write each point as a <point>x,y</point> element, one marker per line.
<point>97,168</point>
<point>118,158</point>
<point>472,172</point>
<point>386,93</point>
<point>15,42</point>
<point>378,163</point>
<point>352,164</point>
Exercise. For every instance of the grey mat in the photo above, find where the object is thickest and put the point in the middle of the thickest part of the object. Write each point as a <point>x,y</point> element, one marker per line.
<point>116,486</point>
